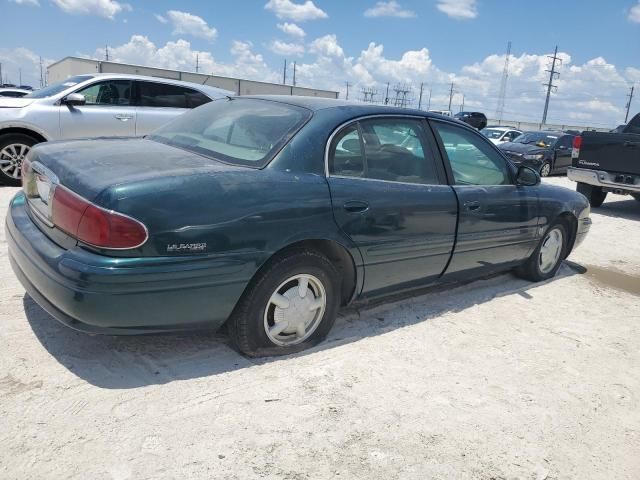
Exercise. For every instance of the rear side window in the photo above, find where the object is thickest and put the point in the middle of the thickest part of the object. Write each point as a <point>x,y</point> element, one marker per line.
<point>383,149</point>
<point>472,160</point>
<point>153,94</point>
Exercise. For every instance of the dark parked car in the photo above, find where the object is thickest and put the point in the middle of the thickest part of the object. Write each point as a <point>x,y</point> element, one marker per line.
<point>546,151</point>
<point>475,119</point>
<point>268,213</point>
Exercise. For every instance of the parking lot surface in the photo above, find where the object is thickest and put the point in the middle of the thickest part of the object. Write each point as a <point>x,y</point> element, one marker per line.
<point>499,378</point>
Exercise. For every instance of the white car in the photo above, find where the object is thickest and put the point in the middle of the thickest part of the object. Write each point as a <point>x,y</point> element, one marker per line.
<point>497,135</point>
<point>92,105</point>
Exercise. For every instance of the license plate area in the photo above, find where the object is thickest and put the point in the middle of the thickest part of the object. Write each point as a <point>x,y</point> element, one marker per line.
<point>39,185</point>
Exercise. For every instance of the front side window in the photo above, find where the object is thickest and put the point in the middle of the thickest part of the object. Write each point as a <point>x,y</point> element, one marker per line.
<point>153,94</point>
<point>110,92</point>
<point>243,131</point>
<point>472,160</point>
<point>383,149</point>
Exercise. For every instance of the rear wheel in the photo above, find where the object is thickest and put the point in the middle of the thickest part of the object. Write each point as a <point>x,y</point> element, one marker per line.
<point>548,255</point>
<point>13,150</point>
<point>290,305</point>
<point>595,195</point>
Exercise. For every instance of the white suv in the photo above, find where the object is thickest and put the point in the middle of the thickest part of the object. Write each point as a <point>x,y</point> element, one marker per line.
<point>93,105</point>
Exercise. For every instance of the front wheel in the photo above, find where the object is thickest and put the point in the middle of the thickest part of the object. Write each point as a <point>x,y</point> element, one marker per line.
<point>13,150</point>
<point>290,305</point>
<point>548,255</point>
<point>545,169</point>
<point>595,195</point>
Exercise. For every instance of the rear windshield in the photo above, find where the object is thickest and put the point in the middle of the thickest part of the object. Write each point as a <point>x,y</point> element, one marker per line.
<point>245,131</point>
<point>59,87</point>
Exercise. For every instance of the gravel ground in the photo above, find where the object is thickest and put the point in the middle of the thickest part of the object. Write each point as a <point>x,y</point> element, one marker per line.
<point>495,379</point>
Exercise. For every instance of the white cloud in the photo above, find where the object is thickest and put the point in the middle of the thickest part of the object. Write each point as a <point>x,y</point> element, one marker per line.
<point>30,3</point>
<point>160,18</point>
<point>292,29</point>
<point>389,9</point>
<point>634,13</point>
<point>102,8</point>
<point>22,60</point>
<point>295,11</point>
<point>285,49</point>
<point>458,9</point>
<point>185,23</point>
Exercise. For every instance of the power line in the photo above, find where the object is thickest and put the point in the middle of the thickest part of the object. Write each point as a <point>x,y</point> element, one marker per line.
<point>503,84</point>
<point>628,105</point>
<point>550,85</point>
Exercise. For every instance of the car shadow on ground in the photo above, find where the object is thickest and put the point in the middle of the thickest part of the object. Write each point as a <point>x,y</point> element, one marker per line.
<point>135,361</point>
<point>625,209</point>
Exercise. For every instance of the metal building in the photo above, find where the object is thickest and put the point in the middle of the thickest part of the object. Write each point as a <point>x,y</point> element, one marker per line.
<point>69,66</point>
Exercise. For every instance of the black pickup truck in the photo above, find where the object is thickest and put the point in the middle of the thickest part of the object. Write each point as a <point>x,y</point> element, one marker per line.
<point>605,162</point>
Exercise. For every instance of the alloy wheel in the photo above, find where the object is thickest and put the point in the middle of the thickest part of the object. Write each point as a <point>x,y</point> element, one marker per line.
<point>545,170</point>
<point>11,158</point>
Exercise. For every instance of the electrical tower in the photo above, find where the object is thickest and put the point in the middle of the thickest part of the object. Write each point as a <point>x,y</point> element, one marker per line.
<point>553,74</point>
<point>503,84</point>
<point>368,94</point>
<point>628,105</point>
<point>401,98</point>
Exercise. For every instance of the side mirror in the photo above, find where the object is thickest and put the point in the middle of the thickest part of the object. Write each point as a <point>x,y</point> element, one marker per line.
<point>527,176</point>
<point>74,99</point>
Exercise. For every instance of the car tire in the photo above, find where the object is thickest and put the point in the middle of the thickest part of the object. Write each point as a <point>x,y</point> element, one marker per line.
<point>261,326</point>
<point>546,259</point>
<point>13,148</point>
<point>595,195</point>
<point>545,169</point>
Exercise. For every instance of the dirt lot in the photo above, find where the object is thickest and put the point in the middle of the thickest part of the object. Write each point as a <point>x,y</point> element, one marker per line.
<point>495,379</point>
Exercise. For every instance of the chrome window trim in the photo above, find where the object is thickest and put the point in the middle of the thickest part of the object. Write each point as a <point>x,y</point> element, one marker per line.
<point>342,126</point>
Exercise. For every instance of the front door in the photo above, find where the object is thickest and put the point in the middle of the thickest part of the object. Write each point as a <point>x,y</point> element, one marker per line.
<point>498,221</point>
<point>389,196</point>
<point>107,113</point>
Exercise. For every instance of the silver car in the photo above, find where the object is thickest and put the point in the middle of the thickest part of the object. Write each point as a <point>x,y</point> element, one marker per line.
<point>92,105</point>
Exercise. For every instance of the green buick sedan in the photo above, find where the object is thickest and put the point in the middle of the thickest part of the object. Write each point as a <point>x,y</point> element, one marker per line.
<point>270,213</point>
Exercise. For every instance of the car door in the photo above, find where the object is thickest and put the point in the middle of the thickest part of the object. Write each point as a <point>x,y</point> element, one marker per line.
<point>107,113</point>
<point>562,151</point>
<point>498,222</point>
<point>158,103</point>
<point>389,195</point>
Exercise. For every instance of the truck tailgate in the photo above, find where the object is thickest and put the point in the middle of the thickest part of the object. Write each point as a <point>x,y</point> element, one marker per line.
<point>612,152</point>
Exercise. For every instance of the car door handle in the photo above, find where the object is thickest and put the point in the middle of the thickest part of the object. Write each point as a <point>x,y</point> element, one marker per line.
<point>356,206</point>
<point>123,117</point>
<point>472,206</point>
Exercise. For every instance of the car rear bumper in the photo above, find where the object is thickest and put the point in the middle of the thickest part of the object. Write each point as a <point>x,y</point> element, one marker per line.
<point>610,182</point>
<point>99,294</point>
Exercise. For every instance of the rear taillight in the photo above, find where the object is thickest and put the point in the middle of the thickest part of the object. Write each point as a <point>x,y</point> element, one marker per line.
<point>94,225</point>
<point>577,144</point>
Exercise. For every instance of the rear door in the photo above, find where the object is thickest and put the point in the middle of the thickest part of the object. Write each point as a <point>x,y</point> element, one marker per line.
<point>562,150</point>
<point>159,103</point>
<point>390,197</point>
<point>107,113</point>
<point>498,220</point>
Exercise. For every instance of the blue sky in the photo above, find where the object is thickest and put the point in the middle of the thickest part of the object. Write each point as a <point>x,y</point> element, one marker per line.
<point>364,42</point>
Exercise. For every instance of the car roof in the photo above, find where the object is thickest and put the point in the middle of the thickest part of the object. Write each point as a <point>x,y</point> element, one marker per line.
<point>318,103</point>
<point>213,91</point>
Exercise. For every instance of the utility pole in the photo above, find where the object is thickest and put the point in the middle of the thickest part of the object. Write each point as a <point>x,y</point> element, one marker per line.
<point>386,96</point>
<point>19,76</point>
<point>462,106</point>
<point>284,73</point>
<point>420,97</point>
<point>550,85</point>
<point>197,63</point>
<point>294,73</point>
<point>106,52</point>
<point>503,84</point>
<point>1,81</point>
<point>41,77</point>
<point>429,103</point>
<point>630,97</point>
<point>450,96</point>
<point>348,85</point>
